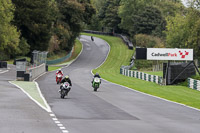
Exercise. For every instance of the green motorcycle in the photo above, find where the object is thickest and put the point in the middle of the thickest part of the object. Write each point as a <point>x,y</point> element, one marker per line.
<point>96,83</point>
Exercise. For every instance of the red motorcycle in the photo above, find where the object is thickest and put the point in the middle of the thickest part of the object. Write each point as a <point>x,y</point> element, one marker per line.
<point>59,78</point>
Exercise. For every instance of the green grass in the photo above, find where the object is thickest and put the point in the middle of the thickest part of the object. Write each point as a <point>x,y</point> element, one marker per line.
<point>31,89</point>
<point>158,73</point>
<point>53,68</point>
<point>19,57</point>
<point>120,55</point>
<point>57,55</point>
<point>76,52</point>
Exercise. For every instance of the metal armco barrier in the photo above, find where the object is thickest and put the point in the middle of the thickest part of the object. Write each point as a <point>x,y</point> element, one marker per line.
<point>124,38</point>
<point>3,64</point>
<point>141,75</point>
<point>36,71</point>
<point>194,84</point>
<point>51,62</point>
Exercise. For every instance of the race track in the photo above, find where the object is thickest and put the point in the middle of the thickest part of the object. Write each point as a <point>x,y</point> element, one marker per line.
<point>18,113</point>
<point>113,109</point>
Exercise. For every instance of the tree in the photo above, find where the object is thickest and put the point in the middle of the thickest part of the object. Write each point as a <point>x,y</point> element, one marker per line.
<point>148,21</point>
<point>24,47</point>
<point>170,8</point>
<point>111,19</point>
<point>9,36</point>
<point>193,26</point>
<point>34,20</point>
<point>74,14</point>
<point>148,41</point>
<point>140,16</point>
<point>176,32</point>
<point>128,10</point>
<point>184,31</point>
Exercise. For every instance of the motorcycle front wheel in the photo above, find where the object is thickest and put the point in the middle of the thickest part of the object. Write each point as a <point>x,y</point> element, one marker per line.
<point>62,94</point>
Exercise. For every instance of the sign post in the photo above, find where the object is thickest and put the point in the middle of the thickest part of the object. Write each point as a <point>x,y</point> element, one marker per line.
<point>168,54</point>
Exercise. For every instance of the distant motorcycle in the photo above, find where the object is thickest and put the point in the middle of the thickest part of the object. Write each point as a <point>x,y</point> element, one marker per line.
<point>59,78</point>
<point>92,38</point>
<point>64,89</point>
<point>96,83</point>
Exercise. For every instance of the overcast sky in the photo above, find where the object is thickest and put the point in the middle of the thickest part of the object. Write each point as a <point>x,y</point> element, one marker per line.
<point>184,2</point>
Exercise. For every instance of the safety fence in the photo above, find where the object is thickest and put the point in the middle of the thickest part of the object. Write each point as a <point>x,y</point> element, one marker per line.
<point>141,75</point>
<point>123,37</point>
<point>34,72</point>
<point>51,62</point>
<point>3,64</point>
<point>194,84</point>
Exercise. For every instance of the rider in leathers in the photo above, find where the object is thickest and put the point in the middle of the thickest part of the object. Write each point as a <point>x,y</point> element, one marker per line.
<point>58,72</point>
<point>96,75</point>
<point>66,79</point>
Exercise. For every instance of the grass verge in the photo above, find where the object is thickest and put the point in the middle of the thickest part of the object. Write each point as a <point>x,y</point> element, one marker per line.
<point>76,52</point>
<point>158,73</point>
<point>31,89</point>
<point>120,55</point>
<point>19,57</point>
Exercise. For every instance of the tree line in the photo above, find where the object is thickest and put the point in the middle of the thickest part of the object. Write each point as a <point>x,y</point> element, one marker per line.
<point>151,23</point>
<point>53,25</point>
<point>45,25</point>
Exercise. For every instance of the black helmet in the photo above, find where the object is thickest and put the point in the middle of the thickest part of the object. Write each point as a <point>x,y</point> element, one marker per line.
<point>97,74</point>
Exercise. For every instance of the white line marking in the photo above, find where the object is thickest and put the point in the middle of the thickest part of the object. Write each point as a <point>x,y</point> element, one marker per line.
<point>55,119</point>
<point>106,55</point>
<point>62,128</point>
<point>39,76</point>
<point>65,131</point>
<point>45,102</point>
<point>143,92</point>
<point>60,125</point>
<point>52,115</point>
<point>77,56</point>
<point>4,71</point>
<point>57,122</point>
<point>154,96</point>
<point>29,96</point>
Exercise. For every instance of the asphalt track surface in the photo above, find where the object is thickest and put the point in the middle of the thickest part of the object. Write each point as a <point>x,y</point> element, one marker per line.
<point>18,113</point>
<point>113,109</point>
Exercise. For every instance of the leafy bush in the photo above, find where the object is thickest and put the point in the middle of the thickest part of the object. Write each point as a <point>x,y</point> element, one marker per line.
<point>197,77</point>
<point>148,41</point>
<point>143,64</point>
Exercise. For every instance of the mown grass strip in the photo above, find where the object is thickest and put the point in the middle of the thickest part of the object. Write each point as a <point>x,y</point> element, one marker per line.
<point>31,89</point>
<point>120,55</point>
<point>76,52</point>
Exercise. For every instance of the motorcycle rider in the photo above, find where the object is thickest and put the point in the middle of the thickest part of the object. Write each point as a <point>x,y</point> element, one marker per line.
<point>96,75</point>
<point>66,79</point>
<point>59,72</point>
<point>92,38</point>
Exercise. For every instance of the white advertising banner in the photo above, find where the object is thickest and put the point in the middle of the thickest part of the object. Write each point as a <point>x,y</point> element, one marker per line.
<point>169,54</point>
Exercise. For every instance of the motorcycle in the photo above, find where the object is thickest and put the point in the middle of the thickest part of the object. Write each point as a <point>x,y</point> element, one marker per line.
<point>59,78</point>
<point>64,89</point>
<point>96,83</point>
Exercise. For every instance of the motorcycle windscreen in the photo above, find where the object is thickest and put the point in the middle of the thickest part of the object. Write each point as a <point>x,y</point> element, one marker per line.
<point>97,80</point>
<point>66,85</point>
